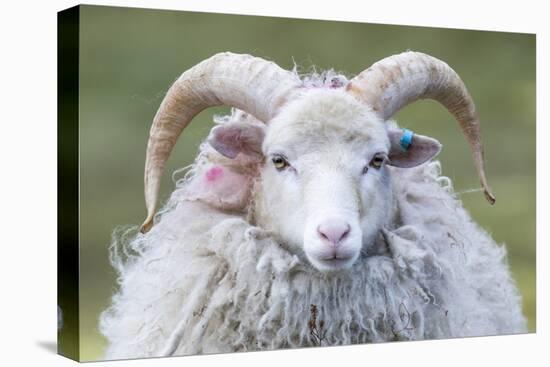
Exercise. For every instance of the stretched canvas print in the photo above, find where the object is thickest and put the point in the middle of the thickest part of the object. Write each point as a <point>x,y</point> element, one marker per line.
<point>233,183</point>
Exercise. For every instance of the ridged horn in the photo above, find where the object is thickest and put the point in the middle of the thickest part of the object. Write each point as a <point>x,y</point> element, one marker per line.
<point>394,82</point>
<point>249,83</point>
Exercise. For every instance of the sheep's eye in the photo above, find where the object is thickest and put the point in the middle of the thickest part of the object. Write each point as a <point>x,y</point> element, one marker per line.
<point>279,162</point>
<point>378,160</point>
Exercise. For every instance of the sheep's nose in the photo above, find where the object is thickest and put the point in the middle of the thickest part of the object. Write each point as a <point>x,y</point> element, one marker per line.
<point>333,231</point>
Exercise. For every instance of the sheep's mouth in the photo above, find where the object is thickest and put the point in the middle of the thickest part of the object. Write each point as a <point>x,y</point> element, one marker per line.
<point>336,257</point>
<point>336,262</point>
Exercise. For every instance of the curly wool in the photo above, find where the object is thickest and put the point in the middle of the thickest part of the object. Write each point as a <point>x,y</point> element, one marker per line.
<point>206,280</point>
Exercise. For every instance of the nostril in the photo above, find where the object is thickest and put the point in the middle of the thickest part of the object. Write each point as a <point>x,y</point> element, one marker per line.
<point>334,231</point>
<point>346,232</point>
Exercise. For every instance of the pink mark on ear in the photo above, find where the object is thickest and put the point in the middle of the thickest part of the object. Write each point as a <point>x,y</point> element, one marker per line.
<point>214,174</point>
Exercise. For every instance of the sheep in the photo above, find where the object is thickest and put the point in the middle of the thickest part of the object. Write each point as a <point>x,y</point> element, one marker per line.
<point>308,218</point>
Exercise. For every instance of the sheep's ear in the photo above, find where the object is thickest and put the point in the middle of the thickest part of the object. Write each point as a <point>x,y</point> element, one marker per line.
<point>231,139</point>
<point>421,149</point>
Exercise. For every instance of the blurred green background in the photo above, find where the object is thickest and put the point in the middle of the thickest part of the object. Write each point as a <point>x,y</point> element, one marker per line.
<point>129,57</point>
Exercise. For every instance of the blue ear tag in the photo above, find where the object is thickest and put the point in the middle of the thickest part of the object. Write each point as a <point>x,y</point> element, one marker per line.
<point>406,139</point>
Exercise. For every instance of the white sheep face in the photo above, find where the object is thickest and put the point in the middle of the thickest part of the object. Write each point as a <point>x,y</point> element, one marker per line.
<point>330,195</point>
<point>324,188</point>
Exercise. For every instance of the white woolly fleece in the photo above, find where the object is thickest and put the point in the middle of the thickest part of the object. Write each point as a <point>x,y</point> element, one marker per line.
<point>202,281</point>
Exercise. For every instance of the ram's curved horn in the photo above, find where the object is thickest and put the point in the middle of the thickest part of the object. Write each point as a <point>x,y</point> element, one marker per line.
<point>252,84</point>
<point>394,82</point>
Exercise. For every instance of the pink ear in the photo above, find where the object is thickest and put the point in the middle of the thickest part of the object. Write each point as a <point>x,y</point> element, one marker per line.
<point>421,149</point>
<point>232,139</point>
